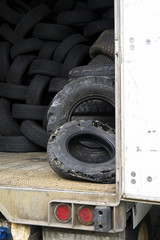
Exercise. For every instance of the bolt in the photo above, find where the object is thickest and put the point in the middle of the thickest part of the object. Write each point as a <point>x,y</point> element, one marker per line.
<point>131,40</point>
<point>132,47</point>
<point>133,174</point>
<point>148,41</point>
<point>149,179</point>
<point>133,181</point>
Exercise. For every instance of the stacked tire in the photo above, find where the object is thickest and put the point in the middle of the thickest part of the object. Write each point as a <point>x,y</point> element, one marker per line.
<point>40,42</point>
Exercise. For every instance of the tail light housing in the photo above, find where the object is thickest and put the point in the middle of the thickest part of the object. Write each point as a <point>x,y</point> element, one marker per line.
<point>85,215</point>
<point>62,213</point>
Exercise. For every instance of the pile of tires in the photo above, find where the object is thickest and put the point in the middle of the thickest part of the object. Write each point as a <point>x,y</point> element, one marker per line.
<point>40,42</point>
<point>84,149</point>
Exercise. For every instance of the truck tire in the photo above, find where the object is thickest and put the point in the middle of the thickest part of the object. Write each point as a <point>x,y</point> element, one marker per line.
<point>104,44</point>
<point>48,50</point>
<point>141,232</point>
<point>4,60</point>
<point>12,91</point>
<point>76,92</point>
<point>9,34</point>
<point>83,71</point>
<point>101,60</point>
<point>66,164</point>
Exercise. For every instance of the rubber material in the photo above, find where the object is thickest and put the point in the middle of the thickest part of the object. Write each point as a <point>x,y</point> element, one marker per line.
<point>9,14</point>
<point>28,112</point>
<point>11,91</point>
<point>4,60</point>
<point>34,133</point>
<point>57,84</point>
<point>66,45</point>
<point>104,44</point>
<point>109,14</point>
<point>76,17</point>
<point>29,20</point>
<point>45,67</point>
<point>101,60</point>
<point>19,6</point>
<point>74,58</point>
<point>97,27</point>
<point>52,32</point>
<point>8,126</point>
<point>75,93</point>
<point>48,49</point>
<point>9,34</point>
<point>76,167</point>
<point>17,144</point>
<point>26,46</point>
<point>18,68</point>
<point>96,4</point>
<point>36,89</point>
<point>62,6</point>
<point>96,70</point>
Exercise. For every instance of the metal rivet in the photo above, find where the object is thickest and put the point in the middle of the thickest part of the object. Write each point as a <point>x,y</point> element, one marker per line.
<point>131,40</point>
<point>132,47</point>
<point>133,174</point>
<point>149,179</point>
<point>148,41</point>
<point>133,181</point>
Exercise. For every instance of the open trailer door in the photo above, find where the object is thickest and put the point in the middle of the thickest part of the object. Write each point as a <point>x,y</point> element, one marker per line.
<point>139,88</point>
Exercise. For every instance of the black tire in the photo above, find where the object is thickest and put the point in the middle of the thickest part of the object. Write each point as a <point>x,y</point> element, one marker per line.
<point>29,20</point>
<point>8,126</point>
<point>109,14</point>
<point>19,6</point>
<point>75,93</point>
<point>45,67</point>
<point>11,91</point>
<point>97,27</point>
<point>104,44</point>
<point>9,34</point>
<point>101,60</point>
<point>26,46</point>
<point>62,6</point>
<point>69,165</point>
<point>34,133</point>
<point>9,14</point>
<point>4,60</point>
<point>17,144</point>
<point>142,231</point>
<point>18,69</point>
<point>97,5</point>
<point>75,17</point>
<point>57,84</point>
<point>28,112</point>
<point>53,32</point>
<point>78,55</point>
<point>66,45</point>
<point>36,89</point>
<point>48,49</point>
<point>84,71</point>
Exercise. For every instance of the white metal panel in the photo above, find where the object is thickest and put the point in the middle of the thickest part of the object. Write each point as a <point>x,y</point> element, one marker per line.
<point>140,99</point>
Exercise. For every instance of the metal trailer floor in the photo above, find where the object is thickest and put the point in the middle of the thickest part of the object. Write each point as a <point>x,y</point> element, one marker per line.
<point>28,184</point>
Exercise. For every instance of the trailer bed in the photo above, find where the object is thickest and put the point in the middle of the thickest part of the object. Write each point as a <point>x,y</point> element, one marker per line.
<point>28,184</point>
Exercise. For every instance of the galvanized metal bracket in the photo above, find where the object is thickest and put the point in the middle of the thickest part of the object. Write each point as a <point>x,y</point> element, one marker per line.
<point>102,219</point>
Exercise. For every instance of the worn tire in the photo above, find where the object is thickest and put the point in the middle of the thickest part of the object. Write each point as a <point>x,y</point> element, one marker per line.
<point>69,166</point>
<point>96,70</point>
<point>9,34</point>
<point>4,60</point>
<point>101,60</point>
<point>75,93</point>
<point>104,44</point>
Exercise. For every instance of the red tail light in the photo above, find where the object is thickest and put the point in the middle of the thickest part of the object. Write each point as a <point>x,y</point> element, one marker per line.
<point>86,215</point>
<point>62,213</point>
